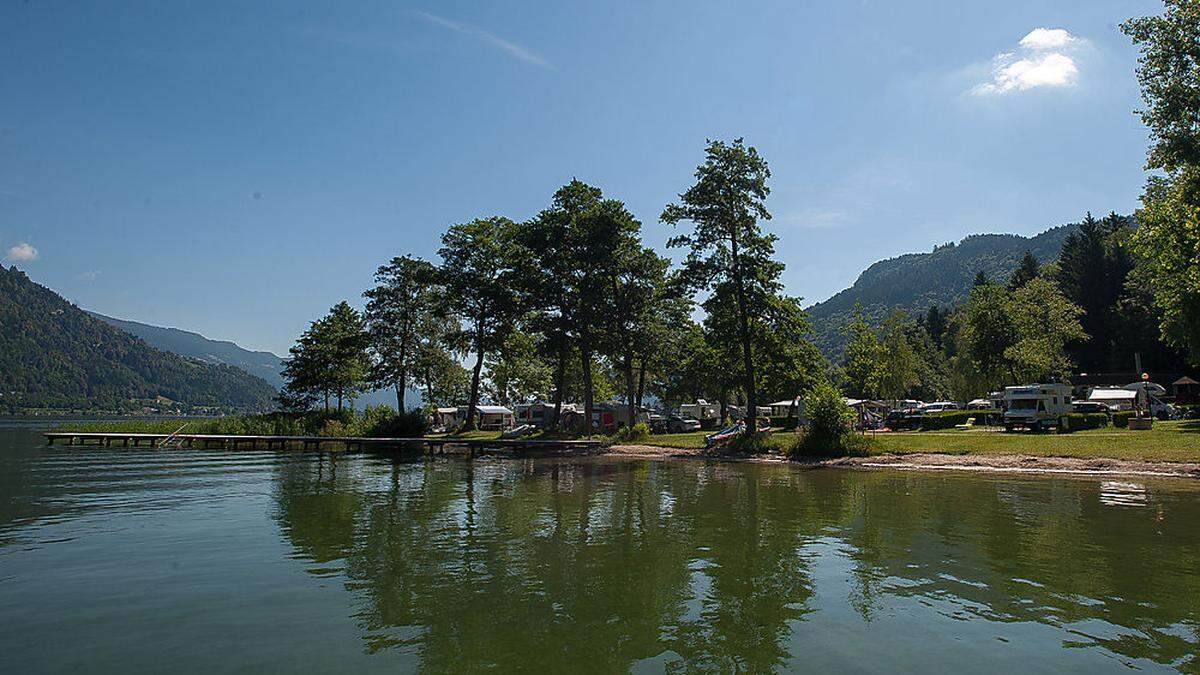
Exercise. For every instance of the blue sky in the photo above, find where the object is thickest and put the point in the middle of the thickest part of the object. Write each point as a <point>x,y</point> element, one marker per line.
<point>238,168</point>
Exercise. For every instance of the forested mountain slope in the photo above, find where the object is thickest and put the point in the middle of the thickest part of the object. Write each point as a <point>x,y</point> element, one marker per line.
<point>914,281</point>
<point>266,365</point>
<point>55,355</point>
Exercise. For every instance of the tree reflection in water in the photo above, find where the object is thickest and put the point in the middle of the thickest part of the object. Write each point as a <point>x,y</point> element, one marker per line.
<point>604,565</point>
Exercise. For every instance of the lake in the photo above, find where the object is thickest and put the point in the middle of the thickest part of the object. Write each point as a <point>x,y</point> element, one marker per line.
<point>115,560</point>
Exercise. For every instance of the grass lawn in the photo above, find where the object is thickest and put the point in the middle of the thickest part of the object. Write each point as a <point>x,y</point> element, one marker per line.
<point>1168,442</point>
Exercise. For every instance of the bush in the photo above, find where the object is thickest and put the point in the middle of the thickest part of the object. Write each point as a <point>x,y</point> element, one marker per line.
<point>952,418</point>
<point>1120,419</point>
<point>635,434</point>
<point>710,424</point>
<point>830,423</point>
<point>761,443</point>
<point>381,421</point>
<point>1081,421</point>
<point>788,423</point>
<point>1189,411</point>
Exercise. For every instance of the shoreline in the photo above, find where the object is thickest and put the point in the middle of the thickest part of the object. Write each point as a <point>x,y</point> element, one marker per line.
<point>931,461</point>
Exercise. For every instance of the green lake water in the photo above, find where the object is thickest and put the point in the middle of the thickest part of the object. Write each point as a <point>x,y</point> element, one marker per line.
<point>135,560</point>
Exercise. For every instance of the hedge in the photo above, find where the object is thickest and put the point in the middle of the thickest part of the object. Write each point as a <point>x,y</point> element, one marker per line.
<point>788,423</point>
<point>1120,419</point>
<point>953,418</point>
<point>1081,421</point>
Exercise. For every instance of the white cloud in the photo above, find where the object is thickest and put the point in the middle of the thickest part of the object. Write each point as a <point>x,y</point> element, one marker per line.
<point>1043,62</point>
<point>1047,38</point>
<point>22,252</point>
<point>511,48</point>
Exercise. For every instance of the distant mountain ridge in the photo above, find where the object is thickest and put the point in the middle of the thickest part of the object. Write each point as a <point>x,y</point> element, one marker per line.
<point>262,364</point>
<point>55,355</point>
<point>914,281</point>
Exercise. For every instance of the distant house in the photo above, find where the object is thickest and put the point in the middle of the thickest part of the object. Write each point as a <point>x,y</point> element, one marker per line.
<point>1186,390</point>
<point>786,407</point>
<point>541,414</point>
<point>490,417</point>
<point>444,418</point>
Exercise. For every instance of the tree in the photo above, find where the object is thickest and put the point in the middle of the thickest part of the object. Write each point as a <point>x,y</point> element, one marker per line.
<point>1045,322</point>
<point>553,270</point>
<point>445,381</point>
<point>635,292</point>
<point>1087,280</point>
<point>516,372</point>
<point>479,285</point>
<point>986,331</point>
<point>726,244</point>
<point>897,367</point>
<point>861,361</point>
<point>329,359</point>
<point>1167,240</point>
<point>935,323</point>
<point>1027,270</point>
<point>401,310</point>
<point>981,279</point>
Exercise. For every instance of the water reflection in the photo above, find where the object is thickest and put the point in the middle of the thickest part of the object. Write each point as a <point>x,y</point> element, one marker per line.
<point>611,565</point>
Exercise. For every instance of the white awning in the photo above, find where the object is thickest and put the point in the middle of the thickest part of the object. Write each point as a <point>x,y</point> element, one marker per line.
<point>1112,395</point>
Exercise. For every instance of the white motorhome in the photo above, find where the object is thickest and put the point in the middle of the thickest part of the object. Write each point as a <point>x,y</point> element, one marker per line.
<point>1036,406</point>
<point>700,410</point>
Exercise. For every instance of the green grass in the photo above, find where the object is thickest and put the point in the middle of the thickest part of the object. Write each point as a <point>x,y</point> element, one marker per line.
<point>1166,442</point>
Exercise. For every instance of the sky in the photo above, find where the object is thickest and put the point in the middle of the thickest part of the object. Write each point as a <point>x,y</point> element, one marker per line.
<point>236,168</point>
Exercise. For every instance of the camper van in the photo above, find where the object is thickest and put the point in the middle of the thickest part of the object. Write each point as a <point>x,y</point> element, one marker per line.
<point>1036,406</point>
<point>700,410</point>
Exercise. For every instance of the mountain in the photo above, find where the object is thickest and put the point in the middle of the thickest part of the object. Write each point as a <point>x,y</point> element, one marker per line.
<point>55,355</point>
<point>266,365</point>
<point>193,345</point>
<point>914,281</point>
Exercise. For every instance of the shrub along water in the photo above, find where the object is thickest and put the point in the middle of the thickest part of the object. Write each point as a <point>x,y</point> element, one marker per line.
<point>830,431</point>
<point>374,422</point>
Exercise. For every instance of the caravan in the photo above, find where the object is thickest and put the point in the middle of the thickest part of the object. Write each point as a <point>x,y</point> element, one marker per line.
<point>1036,406</point>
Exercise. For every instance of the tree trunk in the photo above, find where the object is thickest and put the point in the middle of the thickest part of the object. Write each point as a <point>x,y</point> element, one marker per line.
<point>751,416</point>
<point>559,375</point>
<point>474,402</point>
<point>402,390</point>
<point>340,396</point>
<point>428,388</point>
<point>630,390</point>
<point>641,385</point>
<point>585,356</point>
<point>724,401</point>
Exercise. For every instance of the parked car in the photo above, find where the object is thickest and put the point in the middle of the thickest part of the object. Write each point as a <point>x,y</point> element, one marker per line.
<point>902,419</point>
<point>657,423</point>
<point>938,406</point>
<point>682,425</point>
<point>981,404</point>
<point>1090,407</point>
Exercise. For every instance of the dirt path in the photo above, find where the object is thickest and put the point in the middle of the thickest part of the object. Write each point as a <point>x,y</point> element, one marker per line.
<point>941,462</point>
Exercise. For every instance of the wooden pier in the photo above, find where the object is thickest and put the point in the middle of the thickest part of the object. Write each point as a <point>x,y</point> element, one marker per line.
<point>433,445</point>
